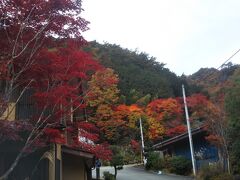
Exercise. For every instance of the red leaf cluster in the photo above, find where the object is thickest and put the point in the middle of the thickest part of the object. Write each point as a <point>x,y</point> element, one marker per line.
<point>54,135</point>
<point>135,146</point>
<point>40,44</point>
<point>176,130</point>
<point>165,109</point>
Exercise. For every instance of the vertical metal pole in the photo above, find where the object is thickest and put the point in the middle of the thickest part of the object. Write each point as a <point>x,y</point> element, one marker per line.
<point>140,122</point>
<point>189,131</point>
<point>97,173</point>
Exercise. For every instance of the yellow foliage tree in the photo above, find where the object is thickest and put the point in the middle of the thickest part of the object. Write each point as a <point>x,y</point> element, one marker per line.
<point>103,88</point>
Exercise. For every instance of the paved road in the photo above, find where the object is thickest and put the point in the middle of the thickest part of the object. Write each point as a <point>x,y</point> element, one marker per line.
<point>136,173</point>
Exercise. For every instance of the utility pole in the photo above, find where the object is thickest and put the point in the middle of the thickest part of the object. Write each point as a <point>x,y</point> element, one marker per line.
<point>189,131</point>
<point>144,160</point>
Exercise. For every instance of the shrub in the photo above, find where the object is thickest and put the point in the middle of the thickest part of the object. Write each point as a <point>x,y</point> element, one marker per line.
<point>175,164</point>
<point>207,172</point>
<point>213,172</point>
<point>222,176</point>
<point>105,163</point>
<point>154,161</point>
<point>180,165</point>
<point>108,176</point>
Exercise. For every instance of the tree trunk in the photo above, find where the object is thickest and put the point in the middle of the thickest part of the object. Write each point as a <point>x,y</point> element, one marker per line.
<point>115,174</point>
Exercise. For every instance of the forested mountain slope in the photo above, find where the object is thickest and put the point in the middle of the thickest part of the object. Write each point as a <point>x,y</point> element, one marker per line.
<point>139,74</point>
<point>214,81</point>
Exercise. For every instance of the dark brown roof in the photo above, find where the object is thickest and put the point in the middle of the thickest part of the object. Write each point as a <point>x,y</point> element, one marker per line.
<point>178,138</point>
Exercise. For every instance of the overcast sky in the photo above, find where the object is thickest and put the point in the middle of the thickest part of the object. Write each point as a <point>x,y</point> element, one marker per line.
<point>184,34</point>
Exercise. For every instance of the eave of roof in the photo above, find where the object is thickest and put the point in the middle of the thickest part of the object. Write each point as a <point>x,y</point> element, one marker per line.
<point>178,138</point>
<point>77,152</point>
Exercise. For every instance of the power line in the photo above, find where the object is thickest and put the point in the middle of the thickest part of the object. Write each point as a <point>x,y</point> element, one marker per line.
<point>229,59</point>
<point>224,63</point>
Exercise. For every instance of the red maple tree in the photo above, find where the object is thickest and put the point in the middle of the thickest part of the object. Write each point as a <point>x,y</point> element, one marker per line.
<point>40,44</point>
<point>169,113</point>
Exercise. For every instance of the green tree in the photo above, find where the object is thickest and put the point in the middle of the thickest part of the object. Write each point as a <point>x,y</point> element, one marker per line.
<point>143,101</point>
<point>232,105</point>
<point>138,71</point>
<point>117,159</point>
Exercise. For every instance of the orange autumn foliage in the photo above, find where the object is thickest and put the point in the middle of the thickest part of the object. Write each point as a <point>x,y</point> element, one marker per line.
<point>103,88</point>
<point>164,109</point>
<point>166,114</point>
